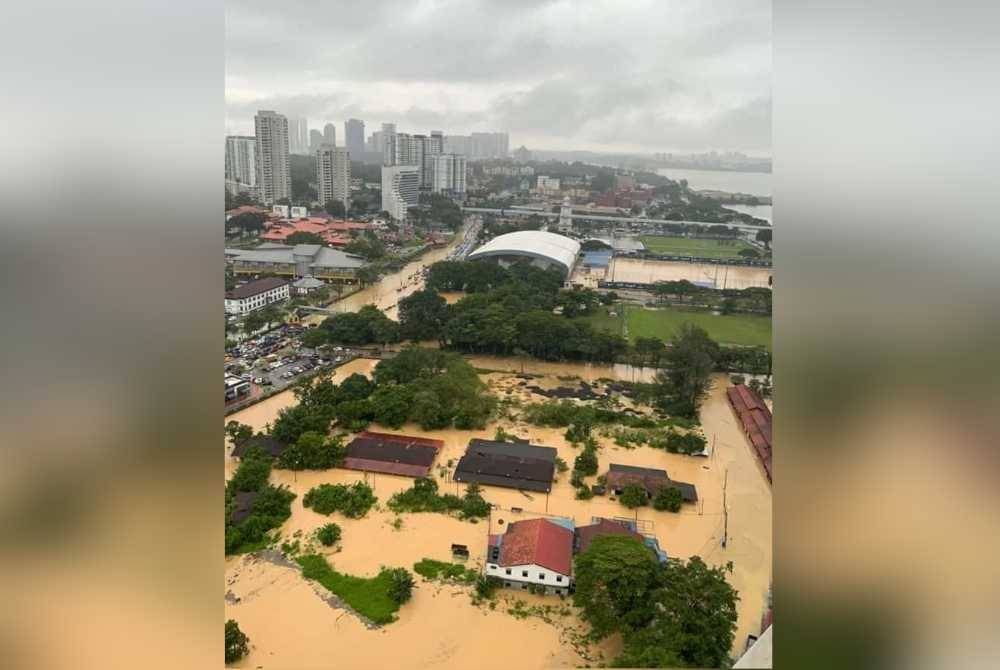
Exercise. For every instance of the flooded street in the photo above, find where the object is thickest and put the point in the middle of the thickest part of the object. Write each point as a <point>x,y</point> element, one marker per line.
<point>386,292</point>
<point>642,271</point>
<point>290,625</point>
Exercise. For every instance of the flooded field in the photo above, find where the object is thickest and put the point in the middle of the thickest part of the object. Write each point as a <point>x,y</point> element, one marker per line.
<point>290,625</point>
<point>721,276</point>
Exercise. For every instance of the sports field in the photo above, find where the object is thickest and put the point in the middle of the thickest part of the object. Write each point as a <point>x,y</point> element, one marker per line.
<point>697,247</point>
<point>741,329</point>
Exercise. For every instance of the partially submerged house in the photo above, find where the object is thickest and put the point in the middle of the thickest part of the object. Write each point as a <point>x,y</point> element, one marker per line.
<point>392,454</point>
<point>513,465</point>
<point>583,536</point>
<point>533,554</point>
<point>755,419</point>
<point>244,505</point>
<point>650,479</point>
<point>269,445</point>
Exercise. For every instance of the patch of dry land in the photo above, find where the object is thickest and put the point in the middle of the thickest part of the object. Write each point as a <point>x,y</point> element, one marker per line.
<point>293,623</point>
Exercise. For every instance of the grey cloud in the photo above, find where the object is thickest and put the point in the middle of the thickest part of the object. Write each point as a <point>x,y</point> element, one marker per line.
<point>650,73</point>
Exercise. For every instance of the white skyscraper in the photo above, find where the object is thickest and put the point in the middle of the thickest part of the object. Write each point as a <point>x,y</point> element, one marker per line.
<point>400,189</point>
<point>241,164</point>
<point>315,140</point>
<point>274,176</point>
<point>449,174</point>
<point>330,134</point>
<point>333,174</point>
<point>298,136</point>
<point>389,144</point>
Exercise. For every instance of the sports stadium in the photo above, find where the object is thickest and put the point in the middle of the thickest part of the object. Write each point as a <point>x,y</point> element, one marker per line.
<point>542,248</point>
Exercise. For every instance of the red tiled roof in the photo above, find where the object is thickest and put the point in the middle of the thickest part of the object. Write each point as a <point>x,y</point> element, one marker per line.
<point>538,541</point>
<point>756,420</point>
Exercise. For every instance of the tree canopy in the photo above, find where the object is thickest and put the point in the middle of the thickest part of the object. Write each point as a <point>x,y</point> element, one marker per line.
<point>690,361</point>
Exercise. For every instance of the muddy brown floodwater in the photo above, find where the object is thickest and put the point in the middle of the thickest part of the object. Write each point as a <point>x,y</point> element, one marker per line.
<point>291,626</point>
<point>721,276</point>
<point>389,290</point>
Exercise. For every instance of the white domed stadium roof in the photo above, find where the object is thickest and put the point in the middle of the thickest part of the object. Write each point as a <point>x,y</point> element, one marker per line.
<point>557,249</point>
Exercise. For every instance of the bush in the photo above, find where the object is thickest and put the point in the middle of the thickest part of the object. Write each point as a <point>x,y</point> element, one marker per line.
<point>487,586</point>
<point>312,452</point>
<point>473,504</point>
<point>352,501</point>
<point>633,496</point>
<point>586,462</point>
<point>236,642</point>
<point>252,473</point>
<point>431,569</point>
<point>576,479</point>
<point>328,534</point>
<point>400,585</point>
<point>561,465</point>
<point>584,493</point>
<point>668,499</point>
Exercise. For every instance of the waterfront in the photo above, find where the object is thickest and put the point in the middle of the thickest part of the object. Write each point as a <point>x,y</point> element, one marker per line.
<point>752,183</point>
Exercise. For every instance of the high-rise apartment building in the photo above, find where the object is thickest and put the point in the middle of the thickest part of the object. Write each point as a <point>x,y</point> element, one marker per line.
<point>241,164</point>
<point>274,176</point>
<point>354,136</point>
<point>389,152</point>
<point>298,136</point>
<point>330,134</point>
<point>457,144</point>
<point>400,189</point>
<point>478,145</point>
<point>333,174</point>
<point>448,175</point>
<point>315,140</point>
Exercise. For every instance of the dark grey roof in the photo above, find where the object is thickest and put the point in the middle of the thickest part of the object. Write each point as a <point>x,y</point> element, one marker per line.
<point>266,443</point>
<point>518,466</point>
<point>244,505</point>
<point>518,449</point>
<point>634,470</point>
<point>256,287</point>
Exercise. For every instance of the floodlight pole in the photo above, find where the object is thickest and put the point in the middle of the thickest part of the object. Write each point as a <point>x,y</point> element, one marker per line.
<point>725,510</point>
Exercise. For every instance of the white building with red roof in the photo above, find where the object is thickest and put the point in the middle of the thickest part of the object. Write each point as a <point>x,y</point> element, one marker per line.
<point>533,553</point>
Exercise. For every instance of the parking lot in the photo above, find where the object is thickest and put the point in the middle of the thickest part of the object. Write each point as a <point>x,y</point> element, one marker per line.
<point>276,359</point>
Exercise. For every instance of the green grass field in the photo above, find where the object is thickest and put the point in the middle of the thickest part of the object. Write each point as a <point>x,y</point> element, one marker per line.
<point>701,248</point>
<point>369,596</point>
<point>741,329</point>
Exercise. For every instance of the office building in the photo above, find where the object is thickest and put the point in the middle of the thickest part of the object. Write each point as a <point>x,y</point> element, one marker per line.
<point>389,151</point>
<point>400,189</point>
<point>255,295</point>
<point>354,136</point>
<point>298,136</point>
<point>448,174</point>
<point>547,184</point>
<point>274,176</point>
<point>330,134</point>
<point>333,174</point>
<point>241,164</point>
<point>458,144</point>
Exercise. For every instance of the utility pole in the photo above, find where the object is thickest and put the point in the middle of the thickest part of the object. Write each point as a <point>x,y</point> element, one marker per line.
<point>725,511</point>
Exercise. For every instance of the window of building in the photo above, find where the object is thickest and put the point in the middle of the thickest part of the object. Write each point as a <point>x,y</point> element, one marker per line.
<point>524,573</point>
<point>508,571</point>
<point>558,578</point>
<point>541,575</point>
<point>493,567</point>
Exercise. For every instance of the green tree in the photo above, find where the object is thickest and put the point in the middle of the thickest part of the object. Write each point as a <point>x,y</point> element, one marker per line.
<point>271,314</point>
<point>238,432</point>
<point>315,337</point>
<point>335,208</point>
<point>693,621</point>
<point>613,579</point>
<point>668,499</point>
<point>237,643</point>
<point>391,404</point>
<point>400,585</point>
<point>690,361</point>
<point>650,348</point>
<point>765,237</point>
<point>252,322</point>
<point>329,534</point>
<point>422,315</point>
<point>633,496</point>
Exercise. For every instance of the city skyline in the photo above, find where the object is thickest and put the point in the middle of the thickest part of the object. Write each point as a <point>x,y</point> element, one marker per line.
<point>673,77</point>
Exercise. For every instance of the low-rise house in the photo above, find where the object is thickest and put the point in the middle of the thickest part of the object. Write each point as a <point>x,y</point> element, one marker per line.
<point>236,387</point>
<point>307,285</point>
<point>256,295</point>
<point>269,445</point>
<point>650,479</point>
<point>534,553</point>
<point>517,466</point>
<point>392,454</point>
<point>599,527</point>
<point>755,419</point>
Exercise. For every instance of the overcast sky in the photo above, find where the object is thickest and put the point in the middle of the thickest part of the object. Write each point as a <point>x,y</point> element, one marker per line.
<point>601,75</point>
